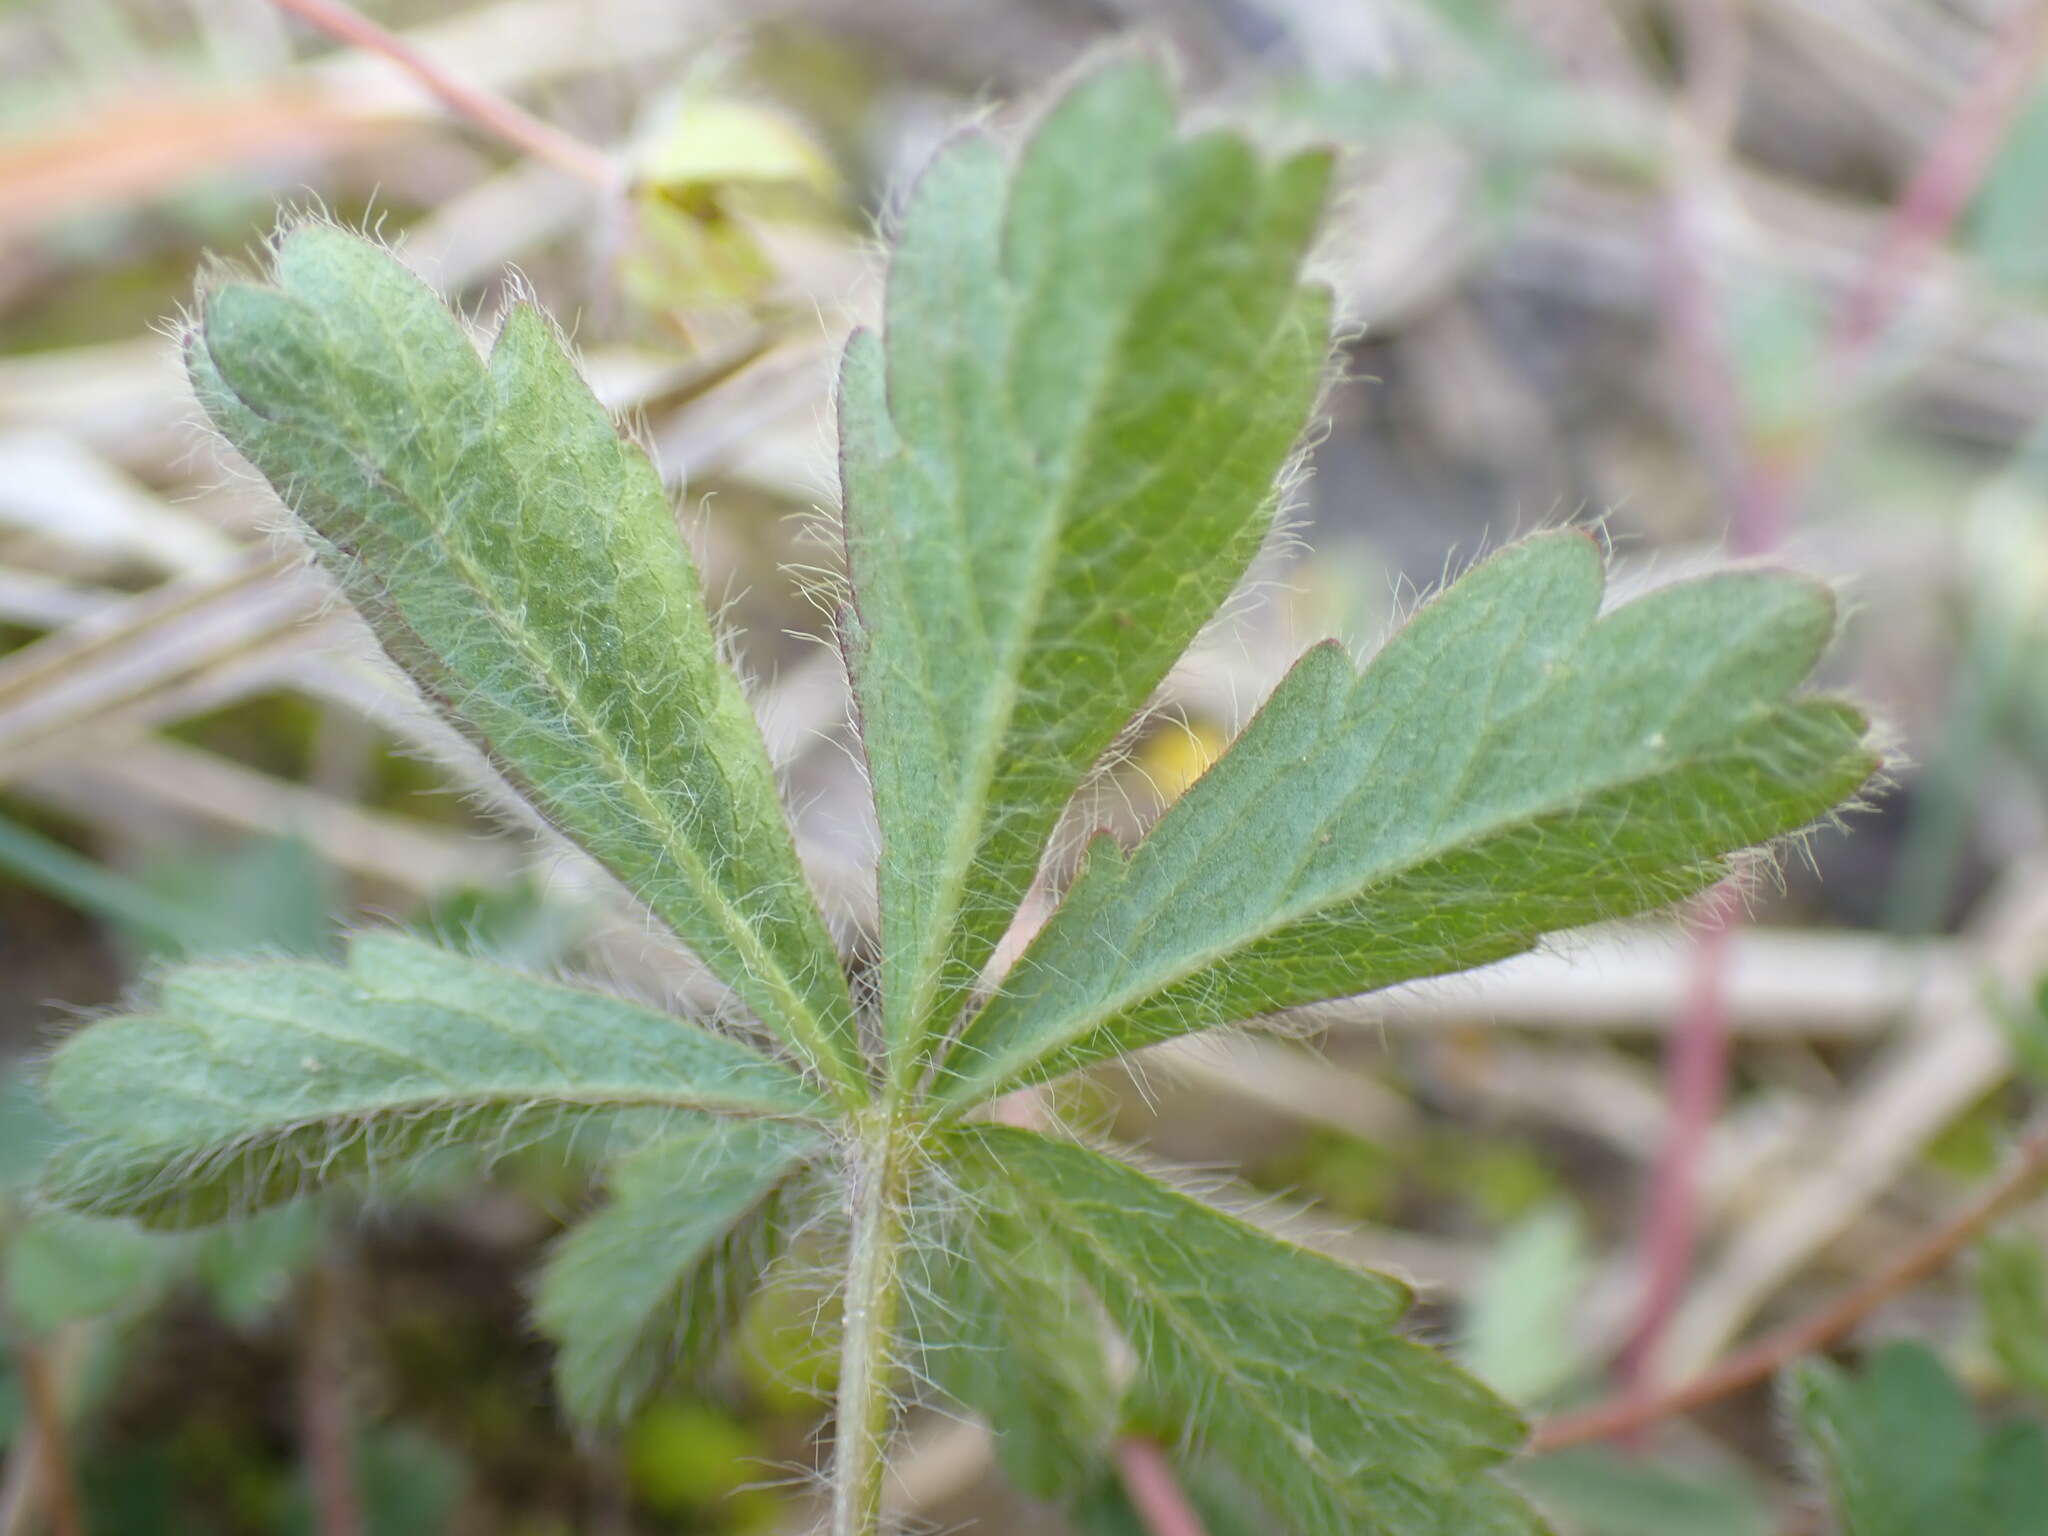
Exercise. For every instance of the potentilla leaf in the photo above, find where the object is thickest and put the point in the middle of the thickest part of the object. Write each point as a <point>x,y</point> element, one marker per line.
<point>1000,1323</point>
<point>1903,1452</point>
<point>1056,463</point>
<point>1282,1362</point>
<point>1512,763</point>
<point>653,1283</point>
<point>250,1084</point>
<point>522,562</point>
<point>1059,457</point>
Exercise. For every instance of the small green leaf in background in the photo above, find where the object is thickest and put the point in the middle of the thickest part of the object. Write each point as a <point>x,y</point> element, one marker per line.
<point>1778,335</point>
<point>512,923</point>
<point>2026,1027</point>
<point>50,867</point>
<point>2004,539</point>
<point>1510,113</point>
<point>712,171</point>
<point>268,895</point>
<point>62,1268</point>
<point>2012,1290</point>
<point>2008,224</point>
<point>1597,1492</point>
<point>248,1267</point>
<point>1518,1336</point>
<point>1903,1454</point>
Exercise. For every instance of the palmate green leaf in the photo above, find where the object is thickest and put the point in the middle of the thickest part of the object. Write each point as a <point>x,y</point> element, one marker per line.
<point>1510,764</point>
<point>521,561</point>
<point>656,1280</point>
<point>250,1084</point>
<point>1055,466</point>
<point>1058,461</point>
<point>1904,1455</point>
<point>1281,1362</point>
<point>1000,1323</point>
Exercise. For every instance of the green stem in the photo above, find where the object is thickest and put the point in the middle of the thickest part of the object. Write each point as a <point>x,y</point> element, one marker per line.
<point>866,1364</point>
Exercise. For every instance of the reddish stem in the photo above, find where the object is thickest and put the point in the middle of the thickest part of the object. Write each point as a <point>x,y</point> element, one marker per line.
<point>505,119</point>
<point>44,1399</point>
<point>326,1417</point>
<point>1154,1491</point>
<point>1759,1361</point>
<point>1757,502</point>
<point>1696,1068</point>
<point>1944,182</point>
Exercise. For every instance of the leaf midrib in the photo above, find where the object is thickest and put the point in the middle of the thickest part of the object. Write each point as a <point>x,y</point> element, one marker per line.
<point>971,824</point>
<point>978,1086</point>
<point>744,1062</point>
<point>538,1101</point>
<point>970,819</point>
<point>581,1092</point>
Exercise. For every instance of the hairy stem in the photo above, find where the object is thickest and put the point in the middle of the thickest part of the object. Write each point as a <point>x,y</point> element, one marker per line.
<point>866,1361</point>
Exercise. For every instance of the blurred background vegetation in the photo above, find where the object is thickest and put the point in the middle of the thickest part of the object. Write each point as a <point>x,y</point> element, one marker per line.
<point>1748,276</point>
